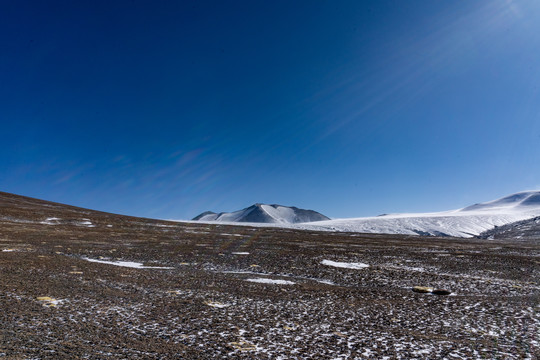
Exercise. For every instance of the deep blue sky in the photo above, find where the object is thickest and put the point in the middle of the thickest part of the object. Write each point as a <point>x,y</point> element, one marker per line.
<point>352,108</point>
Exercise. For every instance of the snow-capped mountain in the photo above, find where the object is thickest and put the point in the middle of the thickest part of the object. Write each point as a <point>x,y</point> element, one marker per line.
<point>522,201</point>
<point>262,213</point>
<point>467,222</point>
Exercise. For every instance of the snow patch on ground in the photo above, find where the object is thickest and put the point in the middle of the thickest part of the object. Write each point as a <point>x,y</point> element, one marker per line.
<point>51,221</point>
<point>86,222</point>
<point>344,264</point>
<point>59,221</point>
<point>217,304</point>
<point>271,281</point>
<point>128,264</point>
<point>326,282</point>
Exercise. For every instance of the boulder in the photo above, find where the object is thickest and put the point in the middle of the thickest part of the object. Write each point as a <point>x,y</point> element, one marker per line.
<point>422,289</point>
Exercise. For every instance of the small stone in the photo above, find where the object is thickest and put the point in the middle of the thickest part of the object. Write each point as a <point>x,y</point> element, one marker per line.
<point>242,346</point>
<point>47,301</point>
<point>422,289</point>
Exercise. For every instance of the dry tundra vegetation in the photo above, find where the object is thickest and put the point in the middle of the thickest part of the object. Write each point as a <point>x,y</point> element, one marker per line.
<point>76,283</point>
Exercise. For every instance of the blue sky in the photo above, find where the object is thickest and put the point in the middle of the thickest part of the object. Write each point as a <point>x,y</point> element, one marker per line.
<point>351,108</point>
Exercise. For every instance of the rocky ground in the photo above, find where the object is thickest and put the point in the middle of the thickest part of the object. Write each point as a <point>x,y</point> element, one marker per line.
<point>527,229</point>
<point>76,283</point>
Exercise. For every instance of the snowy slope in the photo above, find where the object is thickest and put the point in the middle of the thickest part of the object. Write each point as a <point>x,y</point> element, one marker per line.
<point>466,222</point>
<point>262,213</point>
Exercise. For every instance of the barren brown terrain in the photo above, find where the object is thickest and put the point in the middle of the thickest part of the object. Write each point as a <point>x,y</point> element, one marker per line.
<point>82,284</point>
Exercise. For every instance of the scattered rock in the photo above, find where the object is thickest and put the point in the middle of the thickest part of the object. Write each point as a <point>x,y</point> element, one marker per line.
<point>422,289</point>
<point>216,304</point>
<point>132,314</point>
<point>48,301</point>
<point>243,346</point>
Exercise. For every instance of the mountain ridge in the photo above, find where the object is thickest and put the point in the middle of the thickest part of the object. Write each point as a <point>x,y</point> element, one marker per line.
<point>264,213</point>
<point>520,199</point>
<point>508,217</point>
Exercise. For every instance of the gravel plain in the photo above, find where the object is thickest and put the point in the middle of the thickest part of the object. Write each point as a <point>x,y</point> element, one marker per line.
<point>81,284</point>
